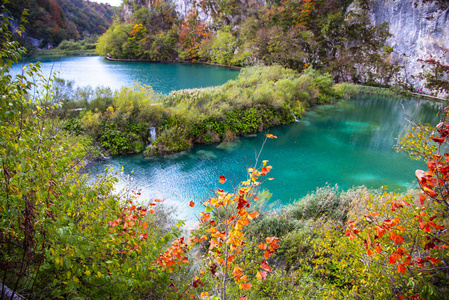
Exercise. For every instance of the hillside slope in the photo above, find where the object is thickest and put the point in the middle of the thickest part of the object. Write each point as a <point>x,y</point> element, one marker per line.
<point>52,21</point>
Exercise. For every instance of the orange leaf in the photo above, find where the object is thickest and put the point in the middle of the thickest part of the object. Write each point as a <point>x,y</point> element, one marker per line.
<point>212,230</point>
<point>192,204</point>
<point>254,214</point>
<point>375,214</point>
<point>144,225</point>
<point>261,275</point>
<point>262,246</point>
<point>237,272</point>
<point>378,249</point>
<point>222,179</point>
<point>245,286</point>
<point>401,268</point>
<point>243,298</point>
<point>205,216</point>
<point>270,136</point>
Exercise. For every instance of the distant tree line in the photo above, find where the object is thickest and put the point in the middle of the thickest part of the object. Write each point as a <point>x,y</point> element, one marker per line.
<point>295,34</point>
<point>52,21</point>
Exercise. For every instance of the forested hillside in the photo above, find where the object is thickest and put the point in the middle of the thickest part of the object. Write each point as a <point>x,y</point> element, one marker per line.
<point>52,21</point>
<point>295,34</point>
<point>363,41</point>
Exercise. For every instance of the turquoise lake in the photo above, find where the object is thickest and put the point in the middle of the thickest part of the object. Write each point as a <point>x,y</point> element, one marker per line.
<point>163,77</point>
<point>348,143</point>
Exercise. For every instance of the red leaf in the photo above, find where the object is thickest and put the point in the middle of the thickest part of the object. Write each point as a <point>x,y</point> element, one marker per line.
<point>192,204</point>
<point>439,140</point>
<point>401,268</point>
<point>265,266</point>
<point>422,198</point>
<point>396,238</point>
<point>432,260</point>
<point>222,179</point>
<point>392,259</point>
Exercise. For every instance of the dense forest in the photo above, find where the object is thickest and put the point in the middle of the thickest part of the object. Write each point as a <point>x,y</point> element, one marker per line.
<point>66,235</point>
<point>52,21</point>
<point>295,34</point>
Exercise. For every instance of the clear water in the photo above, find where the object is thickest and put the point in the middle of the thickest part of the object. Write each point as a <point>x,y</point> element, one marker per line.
<point>163,77</point>
<point>348,144</point>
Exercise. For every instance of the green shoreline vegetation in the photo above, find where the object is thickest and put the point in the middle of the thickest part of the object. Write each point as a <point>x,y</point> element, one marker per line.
<point>260,97</point>
<point>85,47</point>
<point>65,235</point>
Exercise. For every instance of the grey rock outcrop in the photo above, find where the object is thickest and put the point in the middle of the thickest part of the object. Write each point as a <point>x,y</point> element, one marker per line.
<point>420,30</point>
<point>182,7</point>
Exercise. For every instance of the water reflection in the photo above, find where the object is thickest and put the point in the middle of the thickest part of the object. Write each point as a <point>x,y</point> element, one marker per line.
<point>163,77</point>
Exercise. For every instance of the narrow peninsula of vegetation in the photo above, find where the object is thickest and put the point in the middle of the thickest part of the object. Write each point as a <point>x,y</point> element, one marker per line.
<point>260,97</point>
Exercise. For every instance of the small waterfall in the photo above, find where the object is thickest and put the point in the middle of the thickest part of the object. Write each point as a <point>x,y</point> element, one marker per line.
<point>152,134</point>
<point>101,153</point>
<point>294,116</point>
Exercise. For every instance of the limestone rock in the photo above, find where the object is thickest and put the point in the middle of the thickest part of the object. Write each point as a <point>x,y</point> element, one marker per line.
<point>420,30</point>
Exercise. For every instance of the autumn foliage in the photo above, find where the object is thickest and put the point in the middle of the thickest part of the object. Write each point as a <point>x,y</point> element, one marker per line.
<point>410,233</point>
<point>191,32</point>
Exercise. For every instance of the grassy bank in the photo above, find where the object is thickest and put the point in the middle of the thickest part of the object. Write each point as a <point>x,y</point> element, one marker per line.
<point>57,52</point>
<point>85,47</point>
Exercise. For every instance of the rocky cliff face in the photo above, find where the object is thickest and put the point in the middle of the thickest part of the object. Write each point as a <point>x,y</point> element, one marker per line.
<point>420,30</point>
<point>182,7</point>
